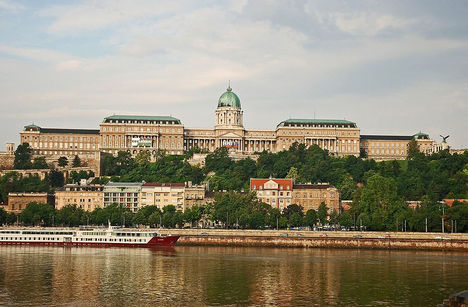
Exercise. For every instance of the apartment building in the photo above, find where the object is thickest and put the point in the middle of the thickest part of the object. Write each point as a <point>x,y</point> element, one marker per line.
<point>275,192</point>
<point>161,194</point>
<point>125,194</point>
<point>86,197</point>
<point>310,196</point>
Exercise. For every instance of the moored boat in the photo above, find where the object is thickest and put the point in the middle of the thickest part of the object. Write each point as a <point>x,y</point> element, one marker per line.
<point>105,237</point>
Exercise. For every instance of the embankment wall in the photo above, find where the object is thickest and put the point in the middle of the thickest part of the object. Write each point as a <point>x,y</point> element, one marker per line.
<point>311,239</point>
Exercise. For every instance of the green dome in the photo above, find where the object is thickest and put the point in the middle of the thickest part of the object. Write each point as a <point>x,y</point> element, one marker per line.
<point>229,99</point>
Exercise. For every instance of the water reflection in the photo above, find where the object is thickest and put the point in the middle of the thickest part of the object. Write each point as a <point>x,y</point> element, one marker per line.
<point>226,276</point>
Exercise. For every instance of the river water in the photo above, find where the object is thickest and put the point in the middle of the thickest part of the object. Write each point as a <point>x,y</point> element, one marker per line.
<point>199,276</point>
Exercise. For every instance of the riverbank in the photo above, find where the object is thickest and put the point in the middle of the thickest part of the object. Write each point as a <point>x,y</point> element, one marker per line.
<point>315,239</point>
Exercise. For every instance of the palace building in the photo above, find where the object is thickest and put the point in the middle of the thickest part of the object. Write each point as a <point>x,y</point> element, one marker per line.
<point>136,133</point>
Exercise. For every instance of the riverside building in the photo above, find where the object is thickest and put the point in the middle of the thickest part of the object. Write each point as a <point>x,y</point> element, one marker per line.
<point>17,202</point>
<point>161,194</point>
<point>310,196</point>
<point>136,133</point>
<point>275,192</point>
<point>87,197</point>
<point>280,193</point>
<point>125,194</point>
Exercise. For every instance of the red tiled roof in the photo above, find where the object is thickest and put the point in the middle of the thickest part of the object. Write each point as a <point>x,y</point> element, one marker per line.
<point>345,206</point>
<point>284,183</point>
<point>450,201</point>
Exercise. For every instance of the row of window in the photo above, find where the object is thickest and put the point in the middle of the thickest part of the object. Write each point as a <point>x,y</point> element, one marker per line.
<point>320,125</point>
<point>82,200</point>
<point>141,129</point>
<point>273,201</point>
<point>107,240</point>
<point>144,194</point>
<point>388,151</point>
<point>320,132</point>
<point>260,187</point>
<point>135,234</point>
<point>116,194</point>
<point>72,153</point>
<point>30,239</point>
<point>74,239</point>
<point>61,233</point>
<point>163,145</point>
<point>60,138</point>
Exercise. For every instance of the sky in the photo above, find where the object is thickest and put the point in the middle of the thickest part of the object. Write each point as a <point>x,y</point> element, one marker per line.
<point>393,67</point>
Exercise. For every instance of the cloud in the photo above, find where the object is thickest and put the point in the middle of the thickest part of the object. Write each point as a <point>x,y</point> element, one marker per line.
<point>368,24</point>
<point>36,54</point>
<point>10,6</point>
<point>97,15</point>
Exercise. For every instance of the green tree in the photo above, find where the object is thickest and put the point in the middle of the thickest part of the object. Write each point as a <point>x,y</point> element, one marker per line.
<point>345,219</point>
<point>178,219</point>
<point>69,215</point>
<point>23,155</point>
<point>62,161</point>
<point>283,222</point>
<point>39,163</point>
<point>459,213</point>
<point>295,220</point>
<point>413,149</point>
<point>3,216</point>
<point>127,218</point>
<point>293,173</point>
<point>193,215</point>
<point>143,157</point>
<point>362,153</point>
<point>140,218</point>
<point>347,188</point>
<point>37,214</point>
<point>55,178</point>
<point>322,213</point>
<point>155,218</point>
<point>310,218</point>
<point>76,161</point>
<point>291,209</point>
<point>379,200</point>
<point>333,217</point>
<point>257,220</point>
<point>219,160</point>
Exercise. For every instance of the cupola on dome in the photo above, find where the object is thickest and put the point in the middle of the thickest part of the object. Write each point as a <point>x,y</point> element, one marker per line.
<point>229,99</point>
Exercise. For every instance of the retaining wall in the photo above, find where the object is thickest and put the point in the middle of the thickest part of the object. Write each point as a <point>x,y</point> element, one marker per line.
<point>312,239</point>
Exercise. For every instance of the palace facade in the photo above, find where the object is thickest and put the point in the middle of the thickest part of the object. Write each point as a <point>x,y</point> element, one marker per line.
<point>135,133</point>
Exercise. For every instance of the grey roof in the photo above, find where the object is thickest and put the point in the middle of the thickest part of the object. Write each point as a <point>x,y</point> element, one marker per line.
<point>316,122</point>
<point>142,117</point>
<point>69,131</point>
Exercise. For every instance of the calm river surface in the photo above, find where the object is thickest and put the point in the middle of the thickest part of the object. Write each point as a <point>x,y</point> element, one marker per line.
<point>199,276</point>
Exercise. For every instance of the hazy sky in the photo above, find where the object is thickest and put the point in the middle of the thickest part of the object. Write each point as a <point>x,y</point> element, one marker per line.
<point>393,67</point>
